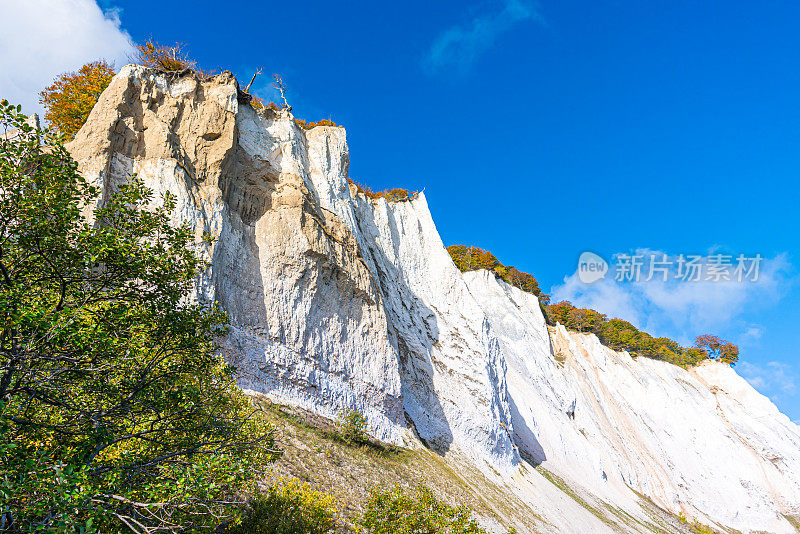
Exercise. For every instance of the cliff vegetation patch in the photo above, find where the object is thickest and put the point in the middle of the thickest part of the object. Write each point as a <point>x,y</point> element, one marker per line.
<point>614,333</point>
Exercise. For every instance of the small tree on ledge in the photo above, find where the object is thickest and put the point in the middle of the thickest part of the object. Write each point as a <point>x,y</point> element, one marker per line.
<point>718,349</point>
<point>72,95</point>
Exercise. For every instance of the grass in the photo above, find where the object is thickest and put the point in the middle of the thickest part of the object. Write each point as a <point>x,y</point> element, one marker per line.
<point>794,521</point>
<point>630,520</point>
<point>563,486</point>
<point>315,453</point>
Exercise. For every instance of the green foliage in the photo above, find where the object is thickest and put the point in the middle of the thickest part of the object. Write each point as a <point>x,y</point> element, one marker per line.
<point>700,528</point>
<point>352,428</point>
<point>72,95</point>
<point>115,409</point>
<point>289,507</point>
<point>614,333</point>
<point>622,335</point>
<point>391,195</point>
<point>395,512</point>
<point>474,258</point>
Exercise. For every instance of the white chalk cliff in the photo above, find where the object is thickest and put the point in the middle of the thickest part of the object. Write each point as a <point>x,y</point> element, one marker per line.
<point>338,301</point>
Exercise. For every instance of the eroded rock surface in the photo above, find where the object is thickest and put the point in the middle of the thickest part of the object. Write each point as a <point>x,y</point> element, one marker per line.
<point>341,302</point>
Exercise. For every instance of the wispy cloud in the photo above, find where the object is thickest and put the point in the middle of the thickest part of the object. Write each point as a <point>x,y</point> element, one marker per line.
<point>752,334</point>
<point>460,45</point>
<point>43,38</point>
<point>776,378</point>
<point>683,309</point>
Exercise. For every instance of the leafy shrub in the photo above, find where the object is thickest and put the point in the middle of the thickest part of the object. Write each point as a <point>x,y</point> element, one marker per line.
<point>165,58</point>
<point>393,511</point>
<point>72,95</point>
<point>115,407</point>
<point>718,349</point>
<point>289,507</point>
<point>614,333</point>
<point>622,335</point>
<point>352,427</point>
<point>391,195</point>
<point>308,125</point>
<point>256,103</point>
<point>474,258</point>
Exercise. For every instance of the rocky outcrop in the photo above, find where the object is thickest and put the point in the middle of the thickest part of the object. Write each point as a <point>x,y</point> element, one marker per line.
<point>338,301</point>
<point>702,442</point>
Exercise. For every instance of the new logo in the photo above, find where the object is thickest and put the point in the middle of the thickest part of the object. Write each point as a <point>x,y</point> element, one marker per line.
<point>591,267</point>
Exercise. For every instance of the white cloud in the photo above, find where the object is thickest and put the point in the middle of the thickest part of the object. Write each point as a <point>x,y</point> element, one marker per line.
<point>460,45</point>
<point>776,377</point>
<point>681,309</point>
<point>752,333</point>
<point>40,39</point>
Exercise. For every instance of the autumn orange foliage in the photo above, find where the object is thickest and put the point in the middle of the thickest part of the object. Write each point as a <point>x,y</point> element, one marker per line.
<point>391,195</point>
<point>717,348</point>
<point>614,333</point>
<point>473,258</point>
<point>256,102</point>
<point>166,58</point>
<point>308,125</point>
<point>72,95</point>
<point>622,335</point>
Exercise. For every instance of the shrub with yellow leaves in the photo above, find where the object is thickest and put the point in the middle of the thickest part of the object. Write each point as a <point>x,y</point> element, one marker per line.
<point>72,95</point>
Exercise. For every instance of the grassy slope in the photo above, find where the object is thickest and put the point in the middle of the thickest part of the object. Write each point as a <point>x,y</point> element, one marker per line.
<point>313,454</point>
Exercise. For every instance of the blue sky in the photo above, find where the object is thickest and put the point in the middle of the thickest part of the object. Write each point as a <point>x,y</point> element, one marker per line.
<point>541,130</point>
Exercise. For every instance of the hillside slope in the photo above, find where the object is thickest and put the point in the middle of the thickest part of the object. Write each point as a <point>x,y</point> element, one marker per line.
<point>339,301</point>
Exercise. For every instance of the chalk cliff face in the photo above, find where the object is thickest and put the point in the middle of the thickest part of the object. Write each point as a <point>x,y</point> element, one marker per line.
<point>341,302</point>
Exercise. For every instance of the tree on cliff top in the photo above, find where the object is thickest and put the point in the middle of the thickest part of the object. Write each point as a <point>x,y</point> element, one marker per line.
<point>116,411</point>
<point>166,58</point>
<point>72,95</point>
<point>718,349</point>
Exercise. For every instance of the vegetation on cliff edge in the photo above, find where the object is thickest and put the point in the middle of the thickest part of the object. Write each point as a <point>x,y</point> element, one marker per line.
<point>614,333</point>
<point>391,195</point>
<point>116,411</point>
<point>72,95</point>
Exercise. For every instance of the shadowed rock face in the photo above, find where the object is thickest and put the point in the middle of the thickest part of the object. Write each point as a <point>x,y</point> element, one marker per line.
<point>342,302</point>
<point>326,312</point>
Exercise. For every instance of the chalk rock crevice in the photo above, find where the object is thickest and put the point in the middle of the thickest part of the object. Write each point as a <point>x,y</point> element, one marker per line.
<point>342,302</point>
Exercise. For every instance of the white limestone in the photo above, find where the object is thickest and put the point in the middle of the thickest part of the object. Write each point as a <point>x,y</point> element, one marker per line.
<point>341,302</point>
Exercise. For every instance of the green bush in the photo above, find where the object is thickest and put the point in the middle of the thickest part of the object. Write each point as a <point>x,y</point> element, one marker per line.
<point>622,335</point>
<point>115,407</point>
<point>289,507</point>
<point>613,333</point>
<point>395,512</point>
<point>474,258</point>
<point>352,428</point>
